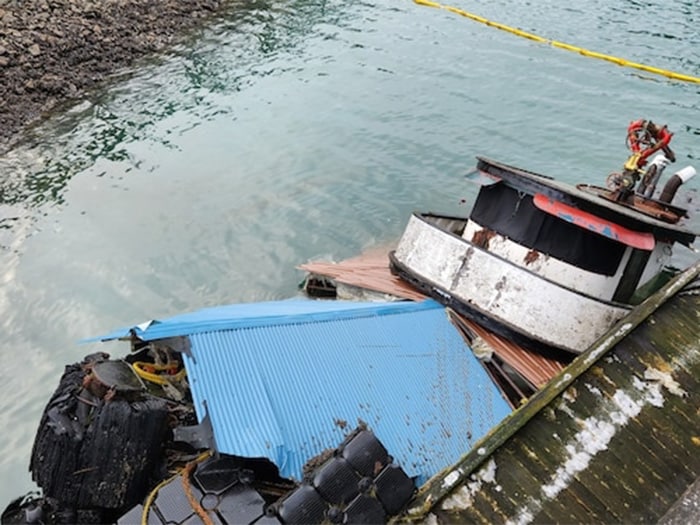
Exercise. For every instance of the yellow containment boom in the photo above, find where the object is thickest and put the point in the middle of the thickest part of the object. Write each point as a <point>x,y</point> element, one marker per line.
<point>561,45</point>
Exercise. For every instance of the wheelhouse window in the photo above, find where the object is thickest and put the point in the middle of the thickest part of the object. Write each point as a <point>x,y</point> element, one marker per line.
<point>513,214</point>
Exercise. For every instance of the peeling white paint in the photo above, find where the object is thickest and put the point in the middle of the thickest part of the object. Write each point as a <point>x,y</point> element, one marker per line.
<point>450,479</point>
<point>506,289</point>
<point>564,379</point>
<point>605,345</point>
<point>565,274</point>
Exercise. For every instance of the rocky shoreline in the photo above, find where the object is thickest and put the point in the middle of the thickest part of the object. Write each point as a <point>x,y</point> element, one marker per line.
<point>53,51</point>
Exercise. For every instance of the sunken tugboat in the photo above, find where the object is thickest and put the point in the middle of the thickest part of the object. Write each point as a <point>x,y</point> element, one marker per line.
<point>549,265</point>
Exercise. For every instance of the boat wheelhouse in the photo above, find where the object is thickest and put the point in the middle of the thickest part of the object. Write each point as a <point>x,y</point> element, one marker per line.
<point>547,264</point>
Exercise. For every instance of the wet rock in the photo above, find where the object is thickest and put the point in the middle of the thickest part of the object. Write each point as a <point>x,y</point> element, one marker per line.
<point>55,51</point>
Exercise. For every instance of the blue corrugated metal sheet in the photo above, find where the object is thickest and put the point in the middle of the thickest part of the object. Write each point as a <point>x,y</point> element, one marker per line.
<point>237,315</point>
<point>290,379</point>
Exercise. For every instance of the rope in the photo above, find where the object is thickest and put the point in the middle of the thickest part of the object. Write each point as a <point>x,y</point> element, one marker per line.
<point>185,473</point>
<point>149,500</point>
<point>561,45</point>
<point>148,371</point>
<point>190,497</point>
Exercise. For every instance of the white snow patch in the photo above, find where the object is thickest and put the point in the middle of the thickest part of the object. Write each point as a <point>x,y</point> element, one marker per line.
<point>431,519</point>
<point>569,395</point>
<point>591,439</point>
<point>523,518</point>
<point>594,437</point>
<point>459,499</point>
<point>462,497</point>
<point>488,472</point>
<point>628,406</point>
<point>639,384</point>
<point>564,407</point>
<point>618,418</point>
<point>594,390</point>
<point>654,396</point>
<point>596,434</point>
<point>666,380</point>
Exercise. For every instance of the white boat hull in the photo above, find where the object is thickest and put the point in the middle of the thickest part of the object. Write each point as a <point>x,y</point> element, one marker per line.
<point>490,286</point>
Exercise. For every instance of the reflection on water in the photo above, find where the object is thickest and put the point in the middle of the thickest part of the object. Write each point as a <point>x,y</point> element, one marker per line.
<point>298,130</point>
<point>103,126</point>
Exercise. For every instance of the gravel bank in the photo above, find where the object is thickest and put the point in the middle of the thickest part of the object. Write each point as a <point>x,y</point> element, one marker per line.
<point>52,51</point>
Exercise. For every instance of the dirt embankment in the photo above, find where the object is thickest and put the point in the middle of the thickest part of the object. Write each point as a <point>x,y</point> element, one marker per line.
<point>52,51</point>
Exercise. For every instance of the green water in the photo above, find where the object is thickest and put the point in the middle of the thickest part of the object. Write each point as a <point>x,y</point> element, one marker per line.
<point>291,131</point>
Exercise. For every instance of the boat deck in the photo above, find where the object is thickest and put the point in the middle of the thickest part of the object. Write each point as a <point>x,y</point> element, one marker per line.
<point>613,440</point>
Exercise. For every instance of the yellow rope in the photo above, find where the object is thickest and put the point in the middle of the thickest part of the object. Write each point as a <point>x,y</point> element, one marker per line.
<point>149,500</point>
<point>143,370</point>
<point>562,45</point>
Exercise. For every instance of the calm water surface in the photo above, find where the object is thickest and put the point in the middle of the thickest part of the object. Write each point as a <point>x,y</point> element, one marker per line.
<point>291,131</point>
